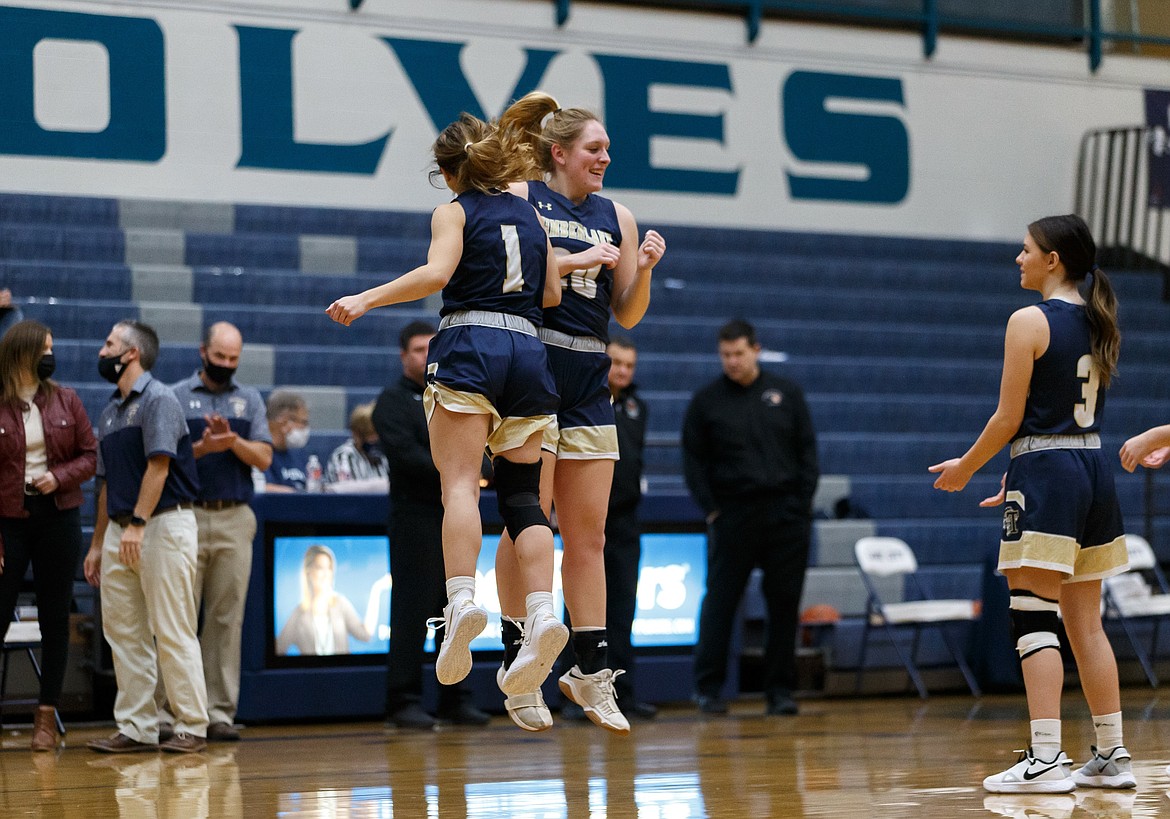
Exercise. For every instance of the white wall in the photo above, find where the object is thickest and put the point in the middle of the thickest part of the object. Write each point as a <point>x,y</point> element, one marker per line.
<point>990,131</point>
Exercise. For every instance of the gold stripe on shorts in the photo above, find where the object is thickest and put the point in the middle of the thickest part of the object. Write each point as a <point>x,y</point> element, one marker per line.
<point>1040,551</point>
<point>1099,562</point>
<point>588,443</point>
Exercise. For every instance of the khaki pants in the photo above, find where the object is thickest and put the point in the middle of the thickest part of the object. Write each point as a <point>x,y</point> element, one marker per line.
<point>221,585</point>
<point>148,618</point>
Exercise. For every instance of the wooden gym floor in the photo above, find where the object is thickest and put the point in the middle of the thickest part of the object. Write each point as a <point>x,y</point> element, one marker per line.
<point>843,758</point>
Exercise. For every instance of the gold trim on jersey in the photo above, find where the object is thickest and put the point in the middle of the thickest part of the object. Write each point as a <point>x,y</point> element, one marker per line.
<point>505,433</point>
<point>588,443</point>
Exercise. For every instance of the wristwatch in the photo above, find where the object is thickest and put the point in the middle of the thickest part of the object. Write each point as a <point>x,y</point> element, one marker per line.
<point>137,521</point>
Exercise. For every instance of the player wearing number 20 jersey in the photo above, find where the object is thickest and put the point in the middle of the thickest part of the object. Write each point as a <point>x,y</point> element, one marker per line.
<point>575,332</point>
<point>572,228</point>
<point>486,357</point>
<point>1059,490</point>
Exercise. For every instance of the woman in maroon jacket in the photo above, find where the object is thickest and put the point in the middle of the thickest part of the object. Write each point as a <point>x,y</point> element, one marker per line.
<point>47,450</point>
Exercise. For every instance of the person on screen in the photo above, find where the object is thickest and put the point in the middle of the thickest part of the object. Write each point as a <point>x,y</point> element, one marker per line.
<point>324,620</point>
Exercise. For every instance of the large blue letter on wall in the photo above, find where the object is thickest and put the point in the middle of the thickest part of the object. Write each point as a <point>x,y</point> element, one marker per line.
<point>266,113</point>
<point>632,125</point>
<point>438,79</point>
<point>138,118</point>
<point>815,134</point>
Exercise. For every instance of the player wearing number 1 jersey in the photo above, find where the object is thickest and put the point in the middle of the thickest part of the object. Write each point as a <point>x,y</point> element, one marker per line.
<point>488,381</point>
<point>603,269</point>
<point>1062,527</point>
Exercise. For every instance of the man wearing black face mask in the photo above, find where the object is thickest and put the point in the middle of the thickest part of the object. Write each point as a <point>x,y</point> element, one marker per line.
<point>229,434</point>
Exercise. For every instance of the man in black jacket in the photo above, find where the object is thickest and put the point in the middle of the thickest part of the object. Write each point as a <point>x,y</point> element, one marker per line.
<point>416,542</point>
<point>750,458</point>
<point>623,534</point>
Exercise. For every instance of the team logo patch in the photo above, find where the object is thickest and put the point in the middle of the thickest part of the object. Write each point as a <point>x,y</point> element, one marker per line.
<point>238,406</point>
<point>1012,515</point>
<point>772,397</point>
<point>631,408</point>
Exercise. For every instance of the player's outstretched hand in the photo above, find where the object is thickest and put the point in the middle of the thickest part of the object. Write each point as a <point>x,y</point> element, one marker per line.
<point>346,309</point>
<point>1140,450</point>
<point>950,477</point>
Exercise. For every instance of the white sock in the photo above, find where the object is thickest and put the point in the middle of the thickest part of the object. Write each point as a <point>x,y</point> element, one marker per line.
<point>459,587</point>
<point>1108,728</point>
<point>1046,739</point>
<point>536,601</point>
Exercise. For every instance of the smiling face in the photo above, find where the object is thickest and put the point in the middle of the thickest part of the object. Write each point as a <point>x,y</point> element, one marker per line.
<point>1035,265</point>
<point>579,169</point>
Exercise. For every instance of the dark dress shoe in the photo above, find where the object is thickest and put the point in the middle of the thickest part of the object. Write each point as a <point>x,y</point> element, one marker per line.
<point>165,731</point>
<point>183,743</point>
<point>412,716</point>
<point>782,705</point>
<point>711,705</point>
<point>119,743</point>
<point>573,712</point>
<point>465,714</point>
<point>640,710</point>
<point>222,732</point>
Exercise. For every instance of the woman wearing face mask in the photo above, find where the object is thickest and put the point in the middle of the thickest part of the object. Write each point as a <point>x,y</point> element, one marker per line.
<point>47,450</point>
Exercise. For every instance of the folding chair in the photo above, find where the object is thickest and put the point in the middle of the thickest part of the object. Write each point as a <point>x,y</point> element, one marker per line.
<point>1127,597</point>
<point>880,558</point>
<point>22,635</point>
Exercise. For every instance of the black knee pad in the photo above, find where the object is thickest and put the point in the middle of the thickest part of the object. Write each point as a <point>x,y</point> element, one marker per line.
<point>518,496</point>
<point>1035,623</point>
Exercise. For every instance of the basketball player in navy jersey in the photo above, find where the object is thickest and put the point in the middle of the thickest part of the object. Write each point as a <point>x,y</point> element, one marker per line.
<point>603,269</point>
<point>488,381</point>
<point>1062,527</point>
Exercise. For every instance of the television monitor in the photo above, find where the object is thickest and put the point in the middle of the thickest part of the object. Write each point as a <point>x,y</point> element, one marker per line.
<point>350,572</point>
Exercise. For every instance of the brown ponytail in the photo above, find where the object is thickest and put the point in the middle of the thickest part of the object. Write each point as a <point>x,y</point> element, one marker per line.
<point>488,157</point>
<point>1069,237</point>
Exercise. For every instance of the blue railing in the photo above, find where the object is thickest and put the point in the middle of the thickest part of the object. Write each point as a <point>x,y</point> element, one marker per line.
<point>929,19</point>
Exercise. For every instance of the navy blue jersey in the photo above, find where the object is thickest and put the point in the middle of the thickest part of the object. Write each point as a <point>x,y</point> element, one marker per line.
<point>147,422</point>
<point>1065,396</point>
<point>504,261</point>
<point>573,228</point>
<point>222,475</point>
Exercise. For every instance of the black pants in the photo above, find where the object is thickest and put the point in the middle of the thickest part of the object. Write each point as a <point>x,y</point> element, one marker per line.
<point>623,552</point>
<point>746,535</point>
<point>419,592</point>
<point>50,539</point>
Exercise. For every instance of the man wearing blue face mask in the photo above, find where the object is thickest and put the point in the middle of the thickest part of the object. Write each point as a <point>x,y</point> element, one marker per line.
<point>359,458</point>
<point>229,434</point>
<point>288,424</point>
<point>144,549</point>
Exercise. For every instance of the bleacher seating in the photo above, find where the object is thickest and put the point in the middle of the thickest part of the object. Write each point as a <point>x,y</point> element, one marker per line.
<point>898,343</point>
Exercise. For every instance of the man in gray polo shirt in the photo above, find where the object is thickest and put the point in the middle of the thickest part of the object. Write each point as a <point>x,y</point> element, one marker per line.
<point>144,549</point>
<point>229,435</point>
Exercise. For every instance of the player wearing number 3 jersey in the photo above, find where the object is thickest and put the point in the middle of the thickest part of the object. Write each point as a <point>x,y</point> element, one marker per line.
<point>1062,527</point>
<point>488,381</point>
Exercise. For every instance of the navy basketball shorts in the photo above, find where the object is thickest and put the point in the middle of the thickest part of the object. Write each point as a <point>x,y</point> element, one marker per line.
<point>585,429</point>
<point>1061,513</point>
<point>492,371</point>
